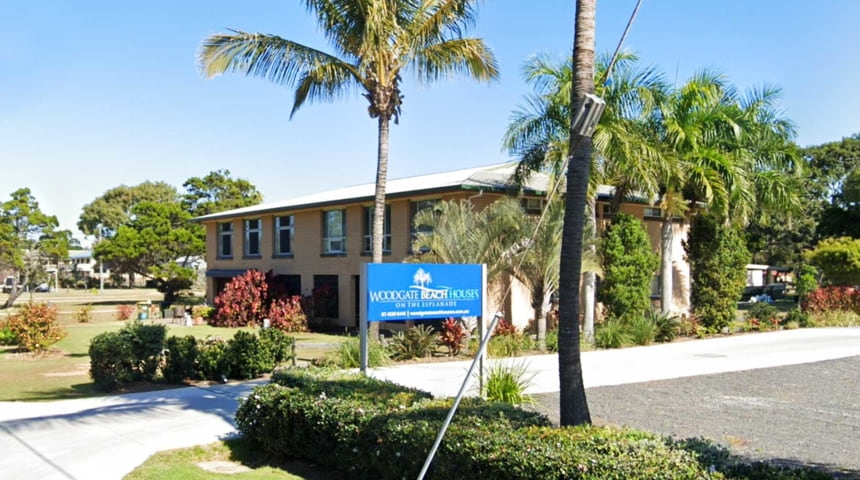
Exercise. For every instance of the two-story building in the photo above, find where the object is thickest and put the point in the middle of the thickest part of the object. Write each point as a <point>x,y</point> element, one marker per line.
<point>321,240</point>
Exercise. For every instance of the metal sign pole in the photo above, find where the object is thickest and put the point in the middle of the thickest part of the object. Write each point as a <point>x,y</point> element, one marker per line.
<point>460,394</point>
<point>362,318</point>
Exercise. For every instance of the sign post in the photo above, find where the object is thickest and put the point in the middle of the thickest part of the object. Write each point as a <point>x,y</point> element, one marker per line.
<point>418,291</point>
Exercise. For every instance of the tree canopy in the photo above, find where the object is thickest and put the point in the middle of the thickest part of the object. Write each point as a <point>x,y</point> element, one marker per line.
<point>147,230</point>
<point>27,236</point>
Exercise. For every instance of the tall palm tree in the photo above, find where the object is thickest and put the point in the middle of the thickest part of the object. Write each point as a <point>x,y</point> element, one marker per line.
<point>538,135</point>
<point>573,405</point>
<point>373,42</point>
<point>728,152</point>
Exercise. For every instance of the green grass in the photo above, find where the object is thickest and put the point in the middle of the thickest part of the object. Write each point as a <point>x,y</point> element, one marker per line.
<point>63,373</point>
<point>182,464</point>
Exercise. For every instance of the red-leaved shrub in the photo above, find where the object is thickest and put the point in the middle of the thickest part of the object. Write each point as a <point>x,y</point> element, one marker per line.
<point>249,298</point>
<point>824,299</point>
<point>124,312</point>
<point>35,326</point>
<point>286,314</point>
<point>504,327</point>
<point>452,335</point>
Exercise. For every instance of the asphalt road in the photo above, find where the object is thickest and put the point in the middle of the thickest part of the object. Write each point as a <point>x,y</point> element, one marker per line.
<point>800,414</point>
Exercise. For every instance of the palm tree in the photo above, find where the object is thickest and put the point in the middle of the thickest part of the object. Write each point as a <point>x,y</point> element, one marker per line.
<point>457,232</point>
<point>573,405</point>
<point>729,153</point>
<point>536,264</point>
<point>373,41</point>
<point>624,157</point>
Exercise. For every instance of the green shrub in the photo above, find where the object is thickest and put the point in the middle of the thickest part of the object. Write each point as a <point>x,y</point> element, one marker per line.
<point>629,263</point>
<point>611,334</point>
<point>347,355</point>
<point>180,359</point>
<point>717,256</point>
<point>807,281</point>
<point>35,327</point>
<point>367,428</point>
<point>511,345</point>
<point>667,326</point>
<point>204,311</point>
<point>416,342</point>
<point>642,330</point>
<point>552,340</point>
<point>762,315</point>
<point>7,336</point>
<point>112,362</point>
<point>85,313</point>
<point>796,315</point>
<point>247,357</point>
<point>835,318</point>
<point>212,360</point>
<point>128,355</point>
<point>280,345</point>
<point>507,384</point>
<point>147,345</point>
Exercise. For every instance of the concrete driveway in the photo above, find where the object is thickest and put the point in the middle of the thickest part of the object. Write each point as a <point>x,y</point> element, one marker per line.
<point>107,437</point>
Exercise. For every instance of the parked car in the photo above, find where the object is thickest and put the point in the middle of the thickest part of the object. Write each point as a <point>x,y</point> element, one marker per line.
<point>42,287</point>
<point>8,283</point>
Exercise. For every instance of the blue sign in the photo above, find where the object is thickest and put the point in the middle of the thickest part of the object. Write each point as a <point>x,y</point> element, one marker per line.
<point>412,291</point>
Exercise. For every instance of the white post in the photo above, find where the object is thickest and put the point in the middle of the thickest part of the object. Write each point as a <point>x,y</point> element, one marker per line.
<point>362,318</point>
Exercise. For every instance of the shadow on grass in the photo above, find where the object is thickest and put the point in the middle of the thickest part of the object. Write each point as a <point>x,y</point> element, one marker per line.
<point>80,390</point>
<point>739,466</point>
<point>251,455</point>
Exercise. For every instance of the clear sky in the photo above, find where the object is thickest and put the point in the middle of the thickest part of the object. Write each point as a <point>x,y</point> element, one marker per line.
<point>98,93</point>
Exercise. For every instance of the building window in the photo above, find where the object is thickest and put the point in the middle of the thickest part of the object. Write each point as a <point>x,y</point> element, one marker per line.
<point>608,211</point>
<point>286,285</point>
<point>253,230</point>
<point>367,233</point>
<point>284,235</point>
<point>225,240</point>
<point>325,296</point>
<point>334,232</point>
<point>533,206</point>
<point>414,208</point>
<point>653,212</point>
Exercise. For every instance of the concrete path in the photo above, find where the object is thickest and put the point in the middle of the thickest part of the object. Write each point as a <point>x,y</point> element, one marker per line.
<point>107,437</point>
<point>656,362</point>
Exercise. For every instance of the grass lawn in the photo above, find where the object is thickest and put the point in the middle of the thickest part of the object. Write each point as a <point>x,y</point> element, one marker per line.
<point>183,464</point>
<point>63,373</point>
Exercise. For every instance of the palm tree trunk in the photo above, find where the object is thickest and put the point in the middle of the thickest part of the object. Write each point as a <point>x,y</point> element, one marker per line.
<point>379,204</point>
<point>573,406</point>
<point>537,307</point>
<point>666,287</point>
<point>589,280</point>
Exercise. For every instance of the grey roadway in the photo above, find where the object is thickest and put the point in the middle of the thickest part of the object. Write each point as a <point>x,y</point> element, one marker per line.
<point>106,437</point>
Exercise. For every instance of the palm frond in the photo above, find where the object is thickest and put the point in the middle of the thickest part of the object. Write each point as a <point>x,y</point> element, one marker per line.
<point>468,56</point>
<point>273,58</point>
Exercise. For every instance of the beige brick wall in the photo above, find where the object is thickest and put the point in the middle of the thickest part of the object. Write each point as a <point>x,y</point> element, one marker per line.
<point>308,261</point>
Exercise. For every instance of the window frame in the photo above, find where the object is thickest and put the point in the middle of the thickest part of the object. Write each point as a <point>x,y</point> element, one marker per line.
<point>258,231</point>
<point>367,230</point>
<point>278,228</point>
<point>658,210</point>
<point>222,234</point>
<point>325,248</point>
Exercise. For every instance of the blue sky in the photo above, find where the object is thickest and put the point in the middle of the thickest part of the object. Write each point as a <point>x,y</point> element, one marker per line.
<point>98,93</point>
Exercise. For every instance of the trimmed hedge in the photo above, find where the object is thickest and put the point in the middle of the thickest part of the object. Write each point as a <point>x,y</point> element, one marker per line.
<point>374,429</point>
<point>142,353</point>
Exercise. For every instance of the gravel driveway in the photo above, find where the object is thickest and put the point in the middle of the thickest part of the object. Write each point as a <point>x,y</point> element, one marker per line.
<point>808,413</point>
